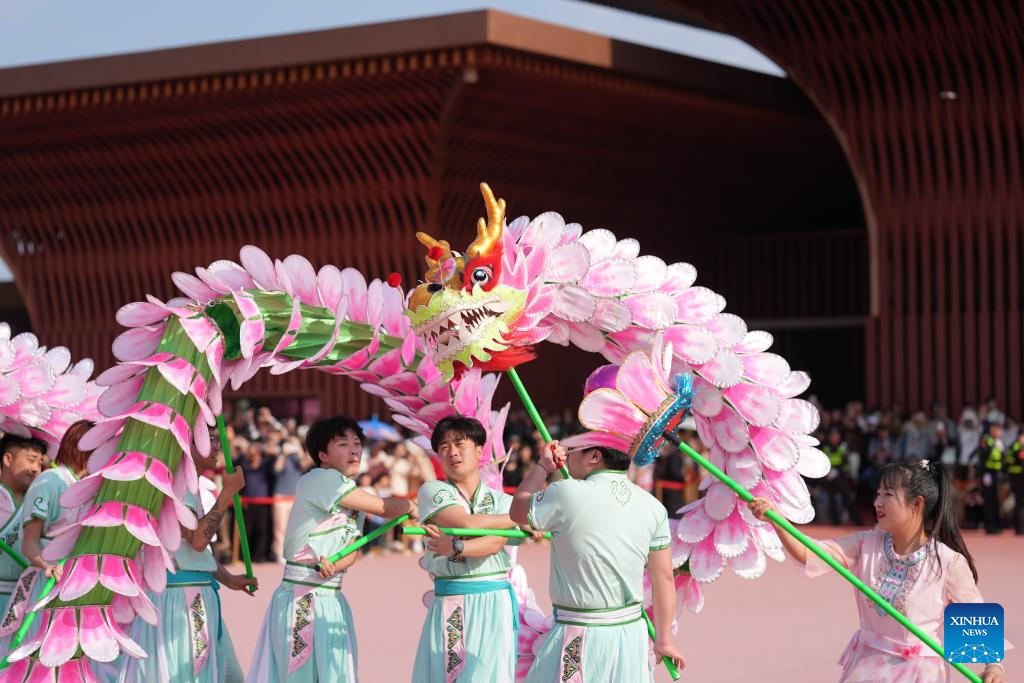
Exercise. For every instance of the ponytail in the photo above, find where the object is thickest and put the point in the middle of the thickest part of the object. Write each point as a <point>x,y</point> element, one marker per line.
<point>944,526</point>
<point>930,481</point>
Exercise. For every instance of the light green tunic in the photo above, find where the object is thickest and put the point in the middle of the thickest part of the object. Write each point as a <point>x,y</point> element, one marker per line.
<point>602,530</point>
<point>290,647</point>
<point>42,501</point>
<point>10,533</point>
<point>488,623</point>
<point>170,642</point>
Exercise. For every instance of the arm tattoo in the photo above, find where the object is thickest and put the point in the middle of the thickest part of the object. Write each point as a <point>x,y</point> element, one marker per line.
<point>211,520</point>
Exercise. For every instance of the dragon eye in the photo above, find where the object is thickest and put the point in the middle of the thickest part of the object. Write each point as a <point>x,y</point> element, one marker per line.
<point>481,275</point>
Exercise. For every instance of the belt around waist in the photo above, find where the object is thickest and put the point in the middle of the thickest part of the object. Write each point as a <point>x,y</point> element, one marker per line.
<point>306,575</point>
<point>611,616</point>
<point>876,641</point>
<point>188,577</point>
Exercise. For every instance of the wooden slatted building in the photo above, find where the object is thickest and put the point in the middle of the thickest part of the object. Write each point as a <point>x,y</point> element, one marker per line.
<point>926,100</point>
<point>340,144</point>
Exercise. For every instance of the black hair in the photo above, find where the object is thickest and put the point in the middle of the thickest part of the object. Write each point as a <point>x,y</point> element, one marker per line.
<point>465,427</point>
<point>11,443</point>
<point>930,480</point>
<point>614,459</point>
<point>321,432</point>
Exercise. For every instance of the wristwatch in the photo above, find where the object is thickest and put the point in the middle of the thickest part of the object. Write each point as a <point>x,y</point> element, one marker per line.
<point>458,545</point>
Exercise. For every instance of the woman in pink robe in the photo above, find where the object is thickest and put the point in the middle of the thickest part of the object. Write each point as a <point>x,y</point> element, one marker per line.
<point>916,559</point>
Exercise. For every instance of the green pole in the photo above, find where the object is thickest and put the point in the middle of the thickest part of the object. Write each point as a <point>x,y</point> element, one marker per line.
<point>30,617</point>
<point>229,467</point>
<point>532,410</point>
<point>458,531</point>
<point>376,533</point>
<point>546,435</point>
<point>816,549</point>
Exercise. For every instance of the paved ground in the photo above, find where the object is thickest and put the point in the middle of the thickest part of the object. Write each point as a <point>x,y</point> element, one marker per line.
<point>777,628</point>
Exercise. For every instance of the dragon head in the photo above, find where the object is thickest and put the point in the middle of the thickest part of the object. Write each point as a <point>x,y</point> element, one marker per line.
<point>462,311</point>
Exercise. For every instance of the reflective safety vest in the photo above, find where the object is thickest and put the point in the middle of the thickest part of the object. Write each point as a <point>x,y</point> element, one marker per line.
<point>994,459</point>
<point>1014,464</point>
<point>836,455</point>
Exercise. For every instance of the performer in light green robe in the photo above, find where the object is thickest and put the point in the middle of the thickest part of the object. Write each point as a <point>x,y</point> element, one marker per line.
<point>605,530</point>
<point>469,633</point>
<point>190,642</point>
<point>308,634</point>
<point>21,462</point>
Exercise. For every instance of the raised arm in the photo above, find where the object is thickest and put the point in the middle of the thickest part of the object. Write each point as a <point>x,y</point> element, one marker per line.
<point>552,457</point>
<point>390,507</point>
<point>209,523</point>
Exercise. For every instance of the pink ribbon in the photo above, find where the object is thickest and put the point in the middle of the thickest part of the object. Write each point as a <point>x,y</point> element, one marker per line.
<point>453,612</point>
<point>572,654</point>
<point>19,601</point>
<point>198,626</point>
<point>302,628</point>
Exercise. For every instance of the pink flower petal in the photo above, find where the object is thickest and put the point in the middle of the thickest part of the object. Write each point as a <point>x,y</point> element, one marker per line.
<point>119,398</point>
<point>160,477</point>
<point>636,381</point>
<point>108,514</point>
<point>731,537</point>
<point>707,398</point>
<point>797,416</point>
<point>706,564</point>
<point>114,575</point>
<point>61,639</point>
<point>34,640</point>
<point>139,524</point>
<point>574,304</point>
<point>80,579</point>
<point>698,305</point>
<point>129,467</point>
<point>102,432</point>
<point>813,463</point>
<point>653,310</point>
<point>795,384</point>
<point>144,607</point>
<point>138,342</point>
<point>139,314</point>
<point>613,277</point>
<point>695,525</point>
<point>97,641</point>
<point>600,243</point>
<point>568,263</point>
<point>126,644</point>
<point>731,432</point>
<point>751,563</point>
<point>81,492</point>
<point>62,544</point>
<point>609,411</point>
<point>41,674</point>
<point>303,279</point>
<point>259,266</point>
<point>755,341</point>
<point>720,501</point>
<point>758,405</point>
<point>765,368</point>
<point>776,450</point>
<point>168,528</point>
<point>724,370</point>
<point>355,291</point>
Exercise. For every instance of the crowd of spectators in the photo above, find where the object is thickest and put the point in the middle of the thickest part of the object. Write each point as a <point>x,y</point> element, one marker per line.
<point>271,452</point>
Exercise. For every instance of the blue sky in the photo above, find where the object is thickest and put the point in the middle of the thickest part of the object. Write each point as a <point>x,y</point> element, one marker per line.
<point>38,31</point>
<point>35,31</point>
